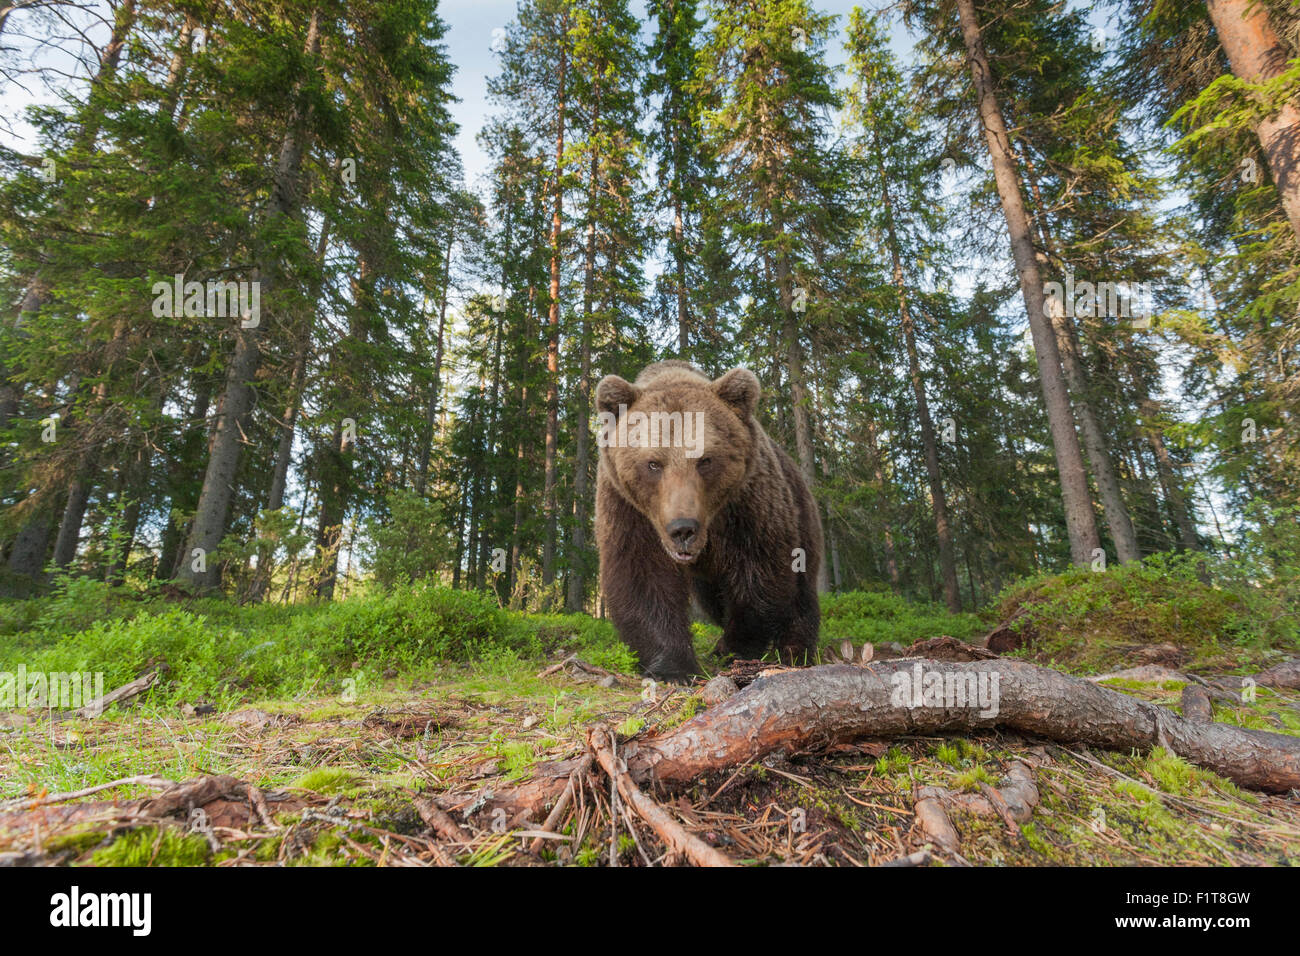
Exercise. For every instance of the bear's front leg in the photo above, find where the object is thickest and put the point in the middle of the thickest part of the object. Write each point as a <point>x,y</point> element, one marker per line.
<point>758,624</point>
<point>798,644</point>
<point>648,599</point>
<point>749,633</point>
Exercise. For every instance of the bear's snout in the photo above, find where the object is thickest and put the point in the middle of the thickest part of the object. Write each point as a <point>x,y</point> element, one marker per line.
<point>682,531</point>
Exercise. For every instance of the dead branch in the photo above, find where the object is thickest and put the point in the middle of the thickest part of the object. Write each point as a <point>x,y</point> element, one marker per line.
<point>100,704</point>
<point>677,840</point>
<point>440,821</point>
<point>813,708</point>
<point>557,812</point>
<point>1285,675</point>
<point>28,803</point>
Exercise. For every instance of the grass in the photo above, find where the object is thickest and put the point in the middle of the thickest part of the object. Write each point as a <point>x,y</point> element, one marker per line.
<point>366,702</point>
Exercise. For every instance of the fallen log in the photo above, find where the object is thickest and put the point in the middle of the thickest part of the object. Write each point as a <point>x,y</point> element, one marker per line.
<point>1197,705</point>
<point>817,707</point>
<point>1285,675</point>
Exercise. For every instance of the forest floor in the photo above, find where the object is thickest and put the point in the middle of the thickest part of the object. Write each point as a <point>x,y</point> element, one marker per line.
<point>341,778</point>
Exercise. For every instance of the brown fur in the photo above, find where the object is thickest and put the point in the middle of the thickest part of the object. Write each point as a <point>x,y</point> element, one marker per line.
<point>752,509</point>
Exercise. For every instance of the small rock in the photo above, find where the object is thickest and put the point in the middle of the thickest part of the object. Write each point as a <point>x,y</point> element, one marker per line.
<point>718,690</point>
<point>531,721</point>
<point>606,681</point>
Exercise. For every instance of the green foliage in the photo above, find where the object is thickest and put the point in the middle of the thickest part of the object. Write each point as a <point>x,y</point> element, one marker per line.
<point>1160,599</point>
<point>879,616</point>
<point>410,542</point>
<point>220,651</point>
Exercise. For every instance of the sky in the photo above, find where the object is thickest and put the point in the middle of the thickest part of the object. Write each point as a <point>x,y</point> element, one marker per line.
<point>471,25</point>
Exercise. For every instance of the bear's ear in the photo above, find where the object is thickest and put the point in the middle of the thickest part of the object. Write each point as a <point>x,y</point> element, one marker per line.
<point>613,392</point>
<point>739,388</point>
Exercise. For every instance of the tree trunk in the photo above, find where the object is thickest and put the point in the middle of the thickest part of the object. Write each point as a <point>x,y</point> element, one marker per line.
<point>329,528</point>
<point>27,555</point>
<point>435,386</point>
<point>938,499</point>
<point>578,565</point>
<point>803,429</point>
<point>1081,522</point>
<point>878,471</point>
<point>1169,478</point>
<point>1257,56</point>
<point>549,504</point>
<point>1116,511</point>
<point>237,400</point>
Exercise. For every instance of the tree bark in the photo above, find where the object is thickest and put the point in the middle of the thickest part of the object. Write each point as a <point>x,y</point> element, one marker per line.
<point>1116,511</point>
<point>1169,478</point>
<point>549,503</point>
<point>887,536</point>
<point>1081,522</point>
<point>818,707</point>
<point>1257,56</point>
<point>938,500</point>
<point>582,464</point>
<point>435,386</point>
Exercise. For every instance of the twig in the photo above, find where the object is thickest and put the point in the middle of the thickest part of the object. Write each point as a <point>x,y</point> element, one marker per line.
<point>146,780</point>
<point>441,821</point>
<point>557,812</point>
<point>669,830</point>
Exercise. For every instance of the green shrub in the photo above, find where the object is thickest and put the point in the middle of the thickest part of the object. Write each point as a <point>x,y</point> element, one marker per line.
<point>1165,598</point>
<point>862,616</point>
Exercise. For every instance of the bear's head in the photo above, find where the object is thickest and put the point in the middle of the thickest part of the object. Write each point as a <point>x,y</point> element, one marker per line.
<point>678,446</point>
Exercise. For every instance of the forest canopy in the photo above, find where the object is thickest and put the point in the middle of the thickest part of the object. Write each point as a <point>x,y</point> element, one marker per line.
<point>1019,281</point>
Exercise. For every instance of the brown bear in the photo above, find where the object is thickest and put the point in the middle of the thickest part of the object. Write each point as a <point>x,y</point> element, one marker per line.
<point>694,500</point>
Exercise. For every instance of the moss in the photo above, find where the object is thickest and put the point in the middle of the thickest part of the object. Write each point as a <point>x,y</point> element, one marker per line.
<point>517,758</point>
<point>1171,773</point>
<point>75,842</point>
<point>150,846</point>
<point>327,780</point>
<point>971,779</point>
<point>894,761</point>
<point>630,727</point>
<point>1034,837</point>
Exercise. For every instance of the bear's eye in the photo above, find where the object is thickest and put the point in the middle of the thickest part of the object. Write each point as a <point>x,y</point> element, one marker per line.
<point>654,466</point>
<point>704,463</point>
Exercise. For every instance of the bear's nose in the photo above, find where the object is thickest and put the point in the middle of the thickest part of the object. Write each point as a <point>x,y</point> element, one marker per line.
<point>682,530</point>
